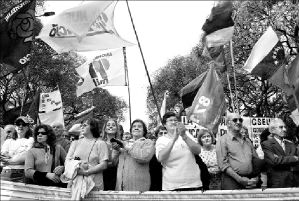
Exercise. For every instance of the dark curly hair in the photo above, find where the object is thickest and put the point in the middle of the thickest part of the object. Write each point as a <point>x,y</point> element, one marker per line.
<point>51,140</point>
<point>167,115</point>
<point>94,127</point>
<point>143,125</point>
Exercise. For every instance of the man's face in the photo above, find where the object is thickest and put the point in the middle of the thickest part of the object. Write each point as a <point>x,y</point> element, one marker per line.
<point>58,129</point>
<point>235,122</point>
<point>279,129</point>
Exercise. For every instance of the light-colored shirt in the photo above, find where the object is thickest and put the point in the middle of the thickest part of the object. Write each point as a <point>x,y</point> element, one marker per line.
<point>14,147</point>
<point>93,151</point>
<point>180,170</point>
<point>235,153</point>
<point>210,159</point>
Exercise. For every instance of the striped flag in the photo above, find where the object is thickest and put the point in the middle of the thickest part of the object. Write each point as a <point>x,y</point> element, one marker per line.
<point>261,49</point>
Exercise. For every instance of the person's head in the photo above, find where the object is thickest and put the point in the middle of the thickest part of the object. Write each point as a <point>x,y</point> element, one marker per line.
<point>277,127</point>
<point>170,121</point>
<point>10,131</point>
<point>138,129</point>
<point>91,127</point>
<point>22,127</point>
<point>265,135</point>
<point>126,136</point>
<point>205,138</point>
<point>160,131</point>
<point>58,129</point>
<point>44,134</point>
<point>244,132</point>
<point>110,129</point>
<point>234,122</point>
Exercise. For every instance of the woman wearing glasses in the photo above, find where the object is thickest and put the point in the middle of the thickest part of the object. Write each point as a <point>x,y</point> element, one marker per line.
<point>133,160</point>
<point>175,151</point>
<point>44,161</point>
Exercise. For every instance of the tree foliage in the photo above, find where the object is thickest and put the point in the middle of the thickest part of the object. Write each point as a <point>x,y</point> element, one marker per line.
<point>256,95</point>
<point>46,71</point>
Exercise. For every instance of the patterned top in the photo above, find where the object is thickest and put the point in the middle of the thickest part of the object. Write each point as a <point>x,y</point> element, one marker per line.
<point>210,159</point>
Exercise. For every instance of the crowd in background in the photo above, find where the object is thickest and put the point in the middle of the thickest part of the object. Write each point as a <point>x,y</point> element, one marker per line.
<point>88,157</point>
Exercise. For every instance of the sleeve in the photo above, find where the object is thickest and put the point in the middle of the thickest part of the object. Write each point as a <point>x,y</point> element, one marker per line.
<point>62,154</point>
<point>70,153</point>
<point>29,165</point>
<point>5,146</point>
<point>221,152</point>
<point>273,159</point>
<point>160,145</point>
<point>103,151</point>
<point>142,150</point>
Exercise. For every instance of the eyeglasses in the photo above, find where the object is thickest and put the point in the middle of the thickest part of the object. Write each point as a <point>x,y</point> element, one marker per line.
<point>162,133</point>
<point>172,120</point>
<point>8,131</point>
<point>21,124</point>
<point>42,132</point>
<point>235,120</point>
<point>281,127</point>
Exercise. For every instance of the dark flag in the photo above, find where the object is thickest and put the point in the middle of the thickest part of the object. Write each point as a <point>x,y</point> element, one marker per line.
<point>219,27</point>
<point>208,105</point>
<point>16,34</point>
<point>189,91</point>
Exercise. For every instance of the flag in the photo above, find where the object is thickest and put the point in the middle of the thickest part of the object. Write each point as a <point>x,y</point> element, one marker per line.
<point>34,108</point>
<point>189,91</point>
<point>216,54</point>
<point>16,34</point>
<point>87,27</point>
<point>261,49</point>
<point>208,105</point>
<point>287,78</point>
<point>219,27</point>
<point>106,69</point>
<point>50,108</point>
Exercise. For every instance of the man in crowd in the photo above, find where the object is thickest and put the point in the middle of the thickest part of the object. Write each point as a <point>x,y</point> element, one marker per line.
<point>60,139</point>
<point>281,157</point>
<point>235,155</point>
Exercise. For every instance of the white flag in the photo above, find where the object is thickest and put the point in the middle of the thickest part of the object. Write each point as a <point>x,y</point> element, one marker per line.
<point>106,69</point>
<point>261,49</point>
<point>87,27</point>
<point>50,108</point>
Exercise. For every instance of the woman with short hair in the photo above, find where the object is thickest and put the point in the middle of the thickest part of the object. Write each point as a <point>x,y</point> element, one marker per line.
<point>133,160</point>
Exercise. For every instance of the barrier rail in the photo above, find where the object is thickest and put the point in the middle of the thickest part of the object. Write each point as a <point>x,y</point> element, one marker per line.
<point>21,191</point>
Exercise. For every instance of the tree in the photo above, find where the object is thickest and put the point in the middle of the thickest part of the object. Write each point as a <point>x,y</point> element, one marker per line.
<point>45,71</point>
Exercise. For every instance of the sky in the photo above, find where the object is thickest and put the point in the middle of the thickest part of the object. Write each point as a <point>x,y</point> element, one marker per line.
<point>165,29</point>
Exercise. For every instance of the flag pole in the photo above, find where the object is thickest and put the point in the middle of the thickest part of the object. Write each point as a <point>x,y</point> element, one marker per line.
<point>152,90</point>
<point>229,84</point>
<point>235,80</point>
<point>127,82</point>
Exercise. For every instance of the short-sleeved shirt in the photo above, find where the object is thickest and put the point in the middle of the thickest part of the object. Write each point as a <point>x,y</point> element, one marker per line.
<point>235,153</point>
<point>180,170</point>
<point>18,146</point>
<point>210,159</point>
<point>93,151</point>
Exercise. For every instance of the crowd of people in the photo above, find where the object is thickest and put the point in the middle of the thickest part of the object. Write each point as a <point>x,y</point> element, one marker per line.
<point>170,159</point>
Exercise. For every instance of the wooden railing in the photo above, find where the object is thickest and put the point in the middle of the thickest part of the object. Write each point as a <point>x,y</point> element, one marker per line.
<point>20,191</point>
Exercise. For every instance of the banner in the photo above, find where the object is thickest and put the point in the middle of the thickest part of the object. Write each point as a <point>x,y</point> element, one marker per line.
<point>87,27</point>
<point>107,69</point>
<point>255,127</point>
<point>50,108</point>
<point>16,34</point>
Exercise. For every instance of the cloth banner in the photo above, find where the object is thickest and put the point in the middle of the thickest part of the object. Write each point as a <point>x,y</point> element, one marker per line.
<point>50,108</point>
<point>16,35</point>
<point>87,27</point>
<point>106,69</point>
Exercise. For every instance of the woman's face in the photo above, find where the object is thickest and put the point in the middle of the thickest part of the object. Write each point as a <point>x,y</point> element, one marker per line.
<point>162,132</point>
<point>21,128</point>
<point>137,130</point>
<point>41,136</point>
<point>111,127</point>
<point>127,136</point>
<point>171,123</point>
<point>85,128</point>
<point>206,139</point>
